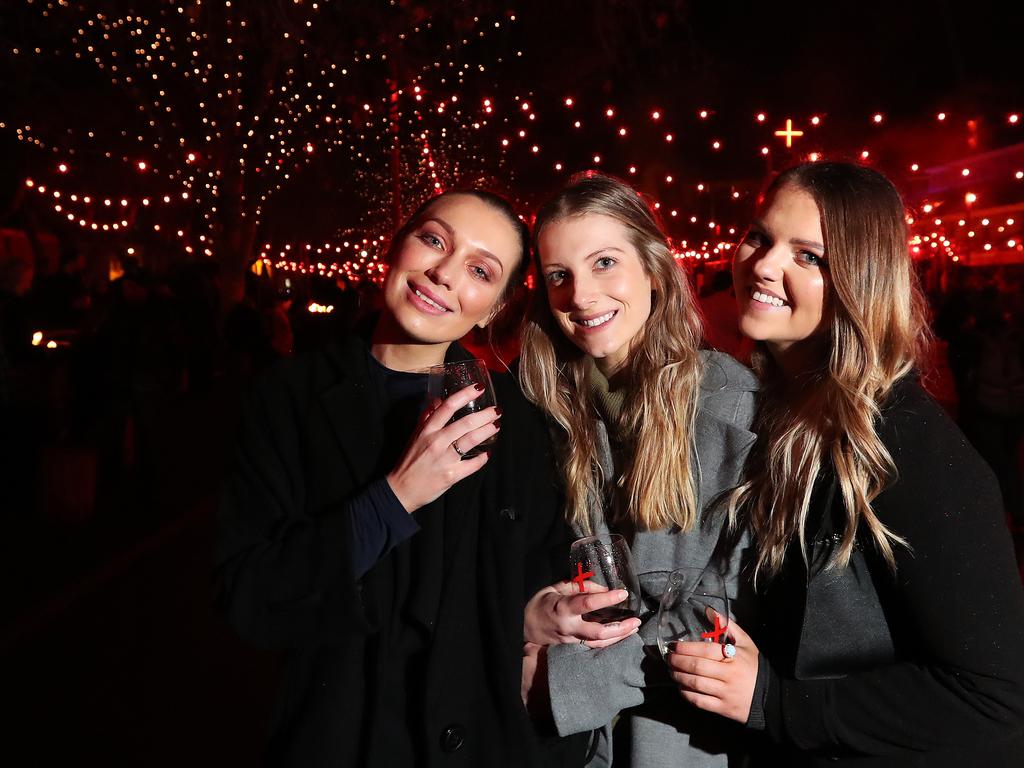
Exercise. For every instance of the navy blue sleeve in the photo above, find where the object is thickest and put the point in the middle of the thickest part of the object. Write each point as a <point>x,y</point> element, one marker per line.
<point>379,523</point>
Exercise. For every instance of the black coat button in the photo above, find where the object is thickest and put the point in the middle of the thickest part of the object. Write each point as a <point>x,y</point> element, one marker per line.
<point>453,737</point>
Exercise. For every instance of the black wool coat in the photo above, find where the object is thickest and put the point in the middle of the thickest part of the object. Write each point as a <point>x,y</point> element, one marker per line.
<point>311,437</point>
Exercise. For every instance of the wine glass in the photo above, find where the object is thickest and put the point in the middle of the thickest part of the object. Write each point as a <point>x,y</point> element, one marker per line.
<point>605,560</point>
<point>693,607</point>
<point>445,380</point>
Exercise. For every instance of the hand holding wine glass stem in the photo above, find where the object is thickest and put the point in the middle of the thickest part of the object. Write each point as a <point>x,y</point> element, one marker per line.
<point>430,465</point>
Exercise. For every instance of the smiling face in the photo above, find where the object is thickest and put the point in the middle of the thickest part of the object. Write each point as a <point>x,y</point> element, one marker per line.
<point>780,273</point>
<point>450,270</point>
<point>597,288</point>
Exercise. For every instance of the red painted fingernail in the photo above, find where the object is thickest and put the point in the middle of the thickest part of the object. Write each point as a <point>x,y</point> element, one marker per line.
<point>478,387</point>
<point>497,409</point>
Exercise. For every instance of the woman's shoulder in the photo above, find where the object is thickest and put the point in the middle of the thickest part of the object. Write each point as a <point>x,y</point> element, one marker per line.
<point>911,418</point>
<point>933,458</point>
<point>727,389</point>
<point>724,373</point>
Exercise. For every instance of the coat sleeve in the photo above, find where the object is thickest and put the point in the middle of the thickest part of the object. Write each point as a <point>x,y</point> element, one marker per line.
<point>956,610</point>
<point>284,576</point>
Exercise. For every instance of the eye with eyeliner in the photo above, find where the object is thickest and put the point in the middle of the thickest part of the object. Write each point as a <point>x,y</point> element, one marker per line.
<point>555,277</point>
<point>431,240</point>
<point>480,273</point>
<point>755,239</point>
<point>811,259</point>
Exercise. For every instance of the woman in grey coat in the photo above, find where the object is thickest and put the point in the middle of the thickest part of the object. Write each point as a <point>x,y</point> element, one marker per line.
<point>651,431</point>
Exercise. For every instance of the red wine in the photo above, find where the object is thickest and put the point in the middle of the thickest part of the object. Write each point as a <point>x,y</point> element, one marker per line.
<point>610,614</point>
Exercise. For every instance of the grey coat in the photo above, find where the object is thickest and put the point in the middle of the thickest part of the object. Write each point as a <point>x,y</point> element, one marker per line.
<point>590,687</point>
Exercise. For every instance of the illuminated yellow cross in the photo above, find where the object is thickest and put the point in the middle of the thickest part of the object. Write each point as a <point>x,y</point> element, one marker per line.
<point>789,133</point>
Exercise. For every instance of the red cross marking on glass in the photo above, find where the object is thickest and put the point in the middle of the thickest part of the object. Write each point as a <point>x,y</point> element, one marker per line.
<point>717,632</point>
<point>580,576</point>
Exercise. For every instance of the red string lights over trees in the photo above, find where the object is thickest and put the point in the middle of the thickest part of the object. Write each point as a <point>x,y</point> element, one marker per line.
<point>301,131</point>
<point>204,121</point>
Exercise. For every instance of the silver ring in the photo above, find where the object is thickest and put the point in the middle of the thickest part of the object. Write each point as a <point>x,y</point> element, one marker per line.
<point>455,445</point>
<point>584,643</point>
<point>728,651</point>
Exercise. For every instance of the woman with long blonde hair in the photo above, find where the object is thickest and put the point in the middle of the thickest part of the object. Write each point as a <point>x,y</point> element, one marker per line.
<point>891,612</point>
<point>649,433</point>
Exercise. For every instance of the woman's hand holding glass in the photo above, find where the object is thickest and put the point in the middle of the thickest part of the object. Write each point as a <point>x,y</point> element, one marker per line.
<point>555,615</point>
<point>712,681</point>
<point>433,462</point>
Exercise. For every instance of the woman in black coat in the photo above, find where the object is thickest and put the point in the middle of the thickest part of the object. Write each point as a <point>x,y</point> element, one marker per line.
<point>393,572</point>
<point>892,615</point>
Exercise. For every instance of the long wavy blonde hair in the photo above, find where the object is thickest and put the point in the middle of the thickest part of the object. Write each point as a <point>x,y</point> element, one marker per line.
<point>877,334</point>
<point>663,372</point>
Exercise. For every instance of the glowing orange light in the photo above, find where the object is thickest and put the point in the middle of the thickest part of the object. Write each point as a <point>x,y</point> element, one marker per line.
<point>703,114</point>
<point>1013,119</point>
<point>569,102</point>
<point>716,145</point>
<point>632,169</point>
<point>669,137</point>
<point>62,168</point>
<point>815,120</point>
<point>141,165</point>
<point>609,112</point>
<point>597,158</point>
<point>789,133</point>
<point>914,167</point>
<point>761,117</point>
<point>941,116</point>
<point>655,115</point>
<point>622,131</point>
<point>877,118</point>
<point>970,198</point>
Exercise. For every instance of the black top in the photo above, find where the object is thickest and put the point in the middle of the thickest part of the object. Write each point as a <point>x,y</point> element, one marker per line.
<point>921,669</point>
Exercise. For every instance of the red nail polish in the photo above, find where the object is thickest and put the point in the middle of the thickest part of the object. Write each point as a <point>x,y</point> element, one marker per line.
<point>497,409</point>
<point>478,387</point>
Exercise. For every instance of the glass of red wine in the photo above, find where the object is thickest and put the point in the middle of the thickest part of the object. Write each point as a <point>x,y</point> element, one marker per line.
<point>445,380</point>
<point>605,561</point>
<point>693,607</point>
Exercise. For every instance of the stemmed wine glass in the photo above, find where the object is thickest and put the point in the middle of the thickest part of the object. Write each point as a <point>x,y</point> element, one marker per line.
<point>693,607</point>
<point>447,379</point>
<point>605,560</point>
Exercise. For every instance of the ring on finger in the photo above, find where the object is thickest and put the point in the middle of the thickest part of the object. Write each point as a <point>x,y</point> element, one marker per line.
<point>455,445</point>
<point>584,643</point>
<point>728,651</point>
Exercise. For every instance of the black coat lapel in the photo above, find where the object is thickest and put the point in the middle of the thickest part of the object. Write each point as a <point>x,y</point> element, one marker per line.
<point>352,406</point>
